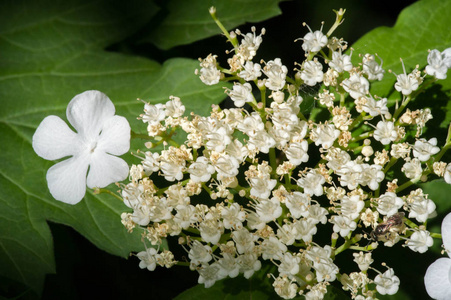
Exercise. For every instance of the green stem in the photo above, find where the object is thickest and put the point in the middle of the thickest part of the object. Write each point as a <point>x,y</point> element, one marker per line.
<point>134,135</point>
<point>100,191</point>
<point>436,235</point>
<point>233,41</point>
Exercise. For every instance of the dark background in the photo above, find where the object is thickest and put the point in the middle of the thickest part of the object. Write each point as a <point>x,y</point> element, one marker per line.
<point>85,272</point>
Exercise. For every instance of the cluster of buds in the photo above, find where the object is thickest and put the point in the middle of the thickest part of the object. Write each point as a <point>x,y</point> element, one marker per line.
<point>258,183</point>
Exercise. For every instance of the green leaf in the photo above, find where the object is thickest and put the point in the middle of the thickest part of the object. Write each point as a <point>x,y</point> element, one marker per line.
<point>51,51</point>
<point>180,27</point>
<point>420,27</point>
<point>237,288</point>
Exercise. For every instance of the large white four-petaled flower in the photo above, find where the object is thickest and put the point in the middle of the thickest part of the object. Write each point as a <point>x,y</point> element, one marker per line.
<point>99,136</point>
<point>438,276</point>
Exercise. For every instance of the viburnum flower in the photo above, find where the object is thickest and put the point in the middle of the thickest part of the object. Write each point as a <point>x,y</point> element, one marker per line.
<point>424,149</point>
<point>437,279</point>
<point>387,283</point>
<point>100,137</point>
<point>385,132</point>
<point>420,241</point>
<point>437,64</point>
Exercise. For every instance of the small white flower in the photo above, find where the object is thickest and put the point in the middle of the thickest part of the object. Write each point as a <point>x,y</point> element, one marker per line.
<point>251,71</point>
<point>437,279</point>
<point>372,68</point>
<point>298,204</point>
<point>100,136</point>
<point>389,203</point>
<point>340,62</point>
<point>312,183</point>
<point>447,175</point>
<point>285,288</point>
<point>276,73</point>
<point>412,169</point>
<point>314,41</point>
<point>244,240</point>
<point>420,241</point>
<point>424,149</point>
<point>241,94</point>
<point>324,135</point>
<point>199,254</point>
<point>387,283</point>
<point>357,86</point>
<point>343,225</point>
<point>407,83</point>
<point>297,152</point>
<point>269,209</point>
<point>289,264</point>
<point>375,108</point>
<point>273,248</point>
<point>148,259</point>
<point>436,64</point>
<point>312,72</point>
<point>385,132</point>
<point>363,260</point>
<point>233,216</point>
<point>209,274</point>
<point>201,170</point>
<point>249,264</point>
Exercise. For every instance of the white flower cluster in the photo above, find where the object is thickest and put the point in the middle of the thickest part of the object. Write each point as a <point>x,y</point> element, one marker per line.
<point>256,184</point>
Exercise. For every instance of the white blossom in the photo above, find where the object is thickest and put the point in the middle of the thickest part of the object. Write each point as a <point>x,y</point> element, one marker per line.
<point>314,41</point>
<point>388,204</point>
<point>209,274</point>
<point>420,241</point>
<point>276,73</point>
<point>387,283</point>
<point>251,71</point>
<point>268,209</point>
<point>101,136</point>
<point>241,94</point>
<point>343,225</point>
<point>201,170</point>
<point>289,264</point>
<point>424,149</point>
<point>437,279</point>
<point>244,240</point>
<point>148,259</point>
<point>199,254</point>
<point>312,72</point>
<point>447,175</point>
<point>298,204</point>
<point>297,152</point>
<point>340,62</point>
<point>324,135</point>
<point>312,183</point>
<point>385,132</point>
<point>357,86</point>
<point>407,83</point>
<point>285,288</point>
<point>412,169</point>
<point>249,264</point>
<point>273,248</point>
<point>437,64</point>
<point>372,68</point>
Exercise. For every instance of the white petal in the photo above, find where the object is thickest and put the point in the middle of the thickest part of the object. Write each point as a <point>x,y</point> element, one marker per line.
<point>88,111</point>
<point>437,281</point>
<point>115,136</point>
<point>106,169</point>
<point>53,139</point>
<point>67,180</point>
<point>446,231</point>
